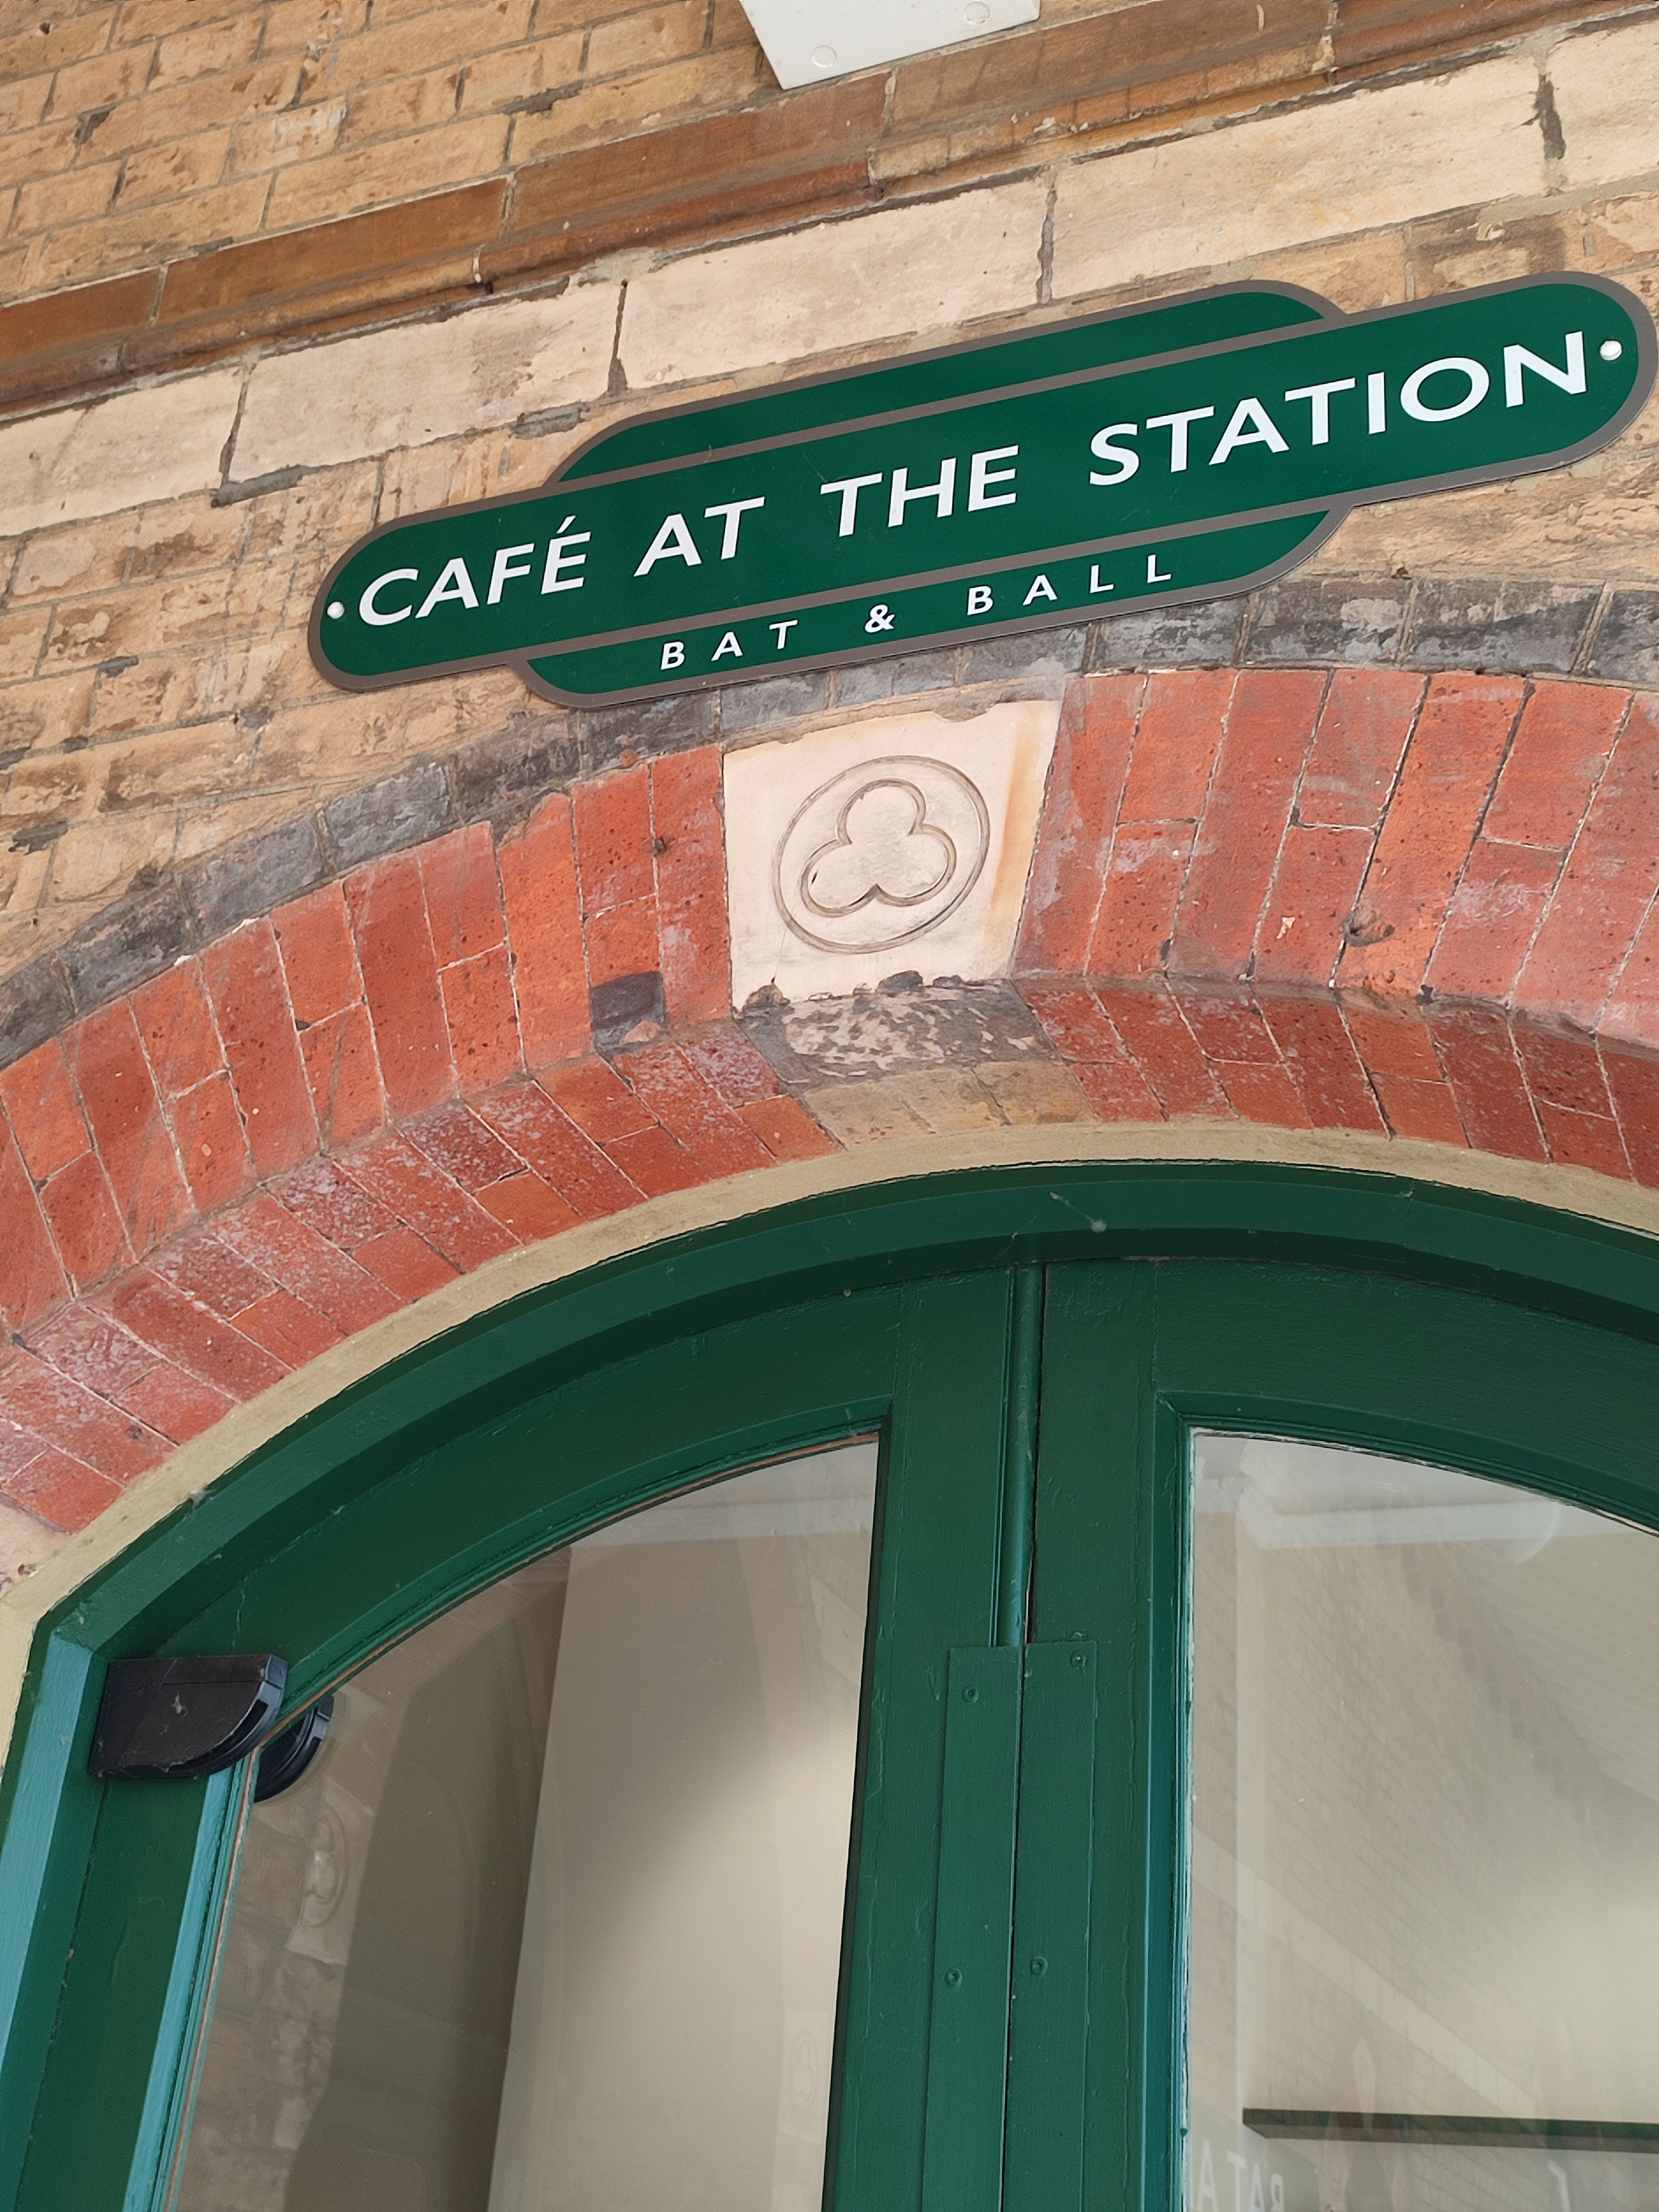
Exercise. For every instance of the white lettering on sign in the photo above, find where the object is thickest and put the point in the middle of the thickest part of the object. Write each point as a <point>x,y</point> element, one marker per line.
<point>673,542</point>
<point>1516,358</point>
<point>849,488</point>
<point>980,473</point>
<point>1177,425</point>
<point>369,607</point>
<point>558,559</point>
<point>1125,458</point>
<point>733,510</point>
<point>454,583</point>
<point>1320,409</point>
<point>506,566</point>
<point>1411,391</point>
<point>943,494</point>
<point>1442,390</point>
<point>1251,425</point>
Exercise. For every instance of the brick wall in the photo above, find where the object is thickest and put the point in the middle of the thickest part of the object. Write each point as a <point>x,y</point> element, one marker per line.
<point>1368,901</point>
<point>176,178</point>
<point>170,761</point>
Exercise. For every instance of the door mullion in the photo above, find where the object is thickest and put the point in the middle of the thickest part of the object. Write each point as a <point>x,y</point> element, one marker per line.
<point>1019,1457</point>
<point>968,2050</point>
<point>1048,2022</point>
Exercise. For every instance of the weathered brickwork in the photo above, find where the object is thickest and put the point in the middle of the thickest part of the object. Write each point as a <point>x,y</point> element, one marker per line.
<point>1367,899</point>
<point>176,180</point>
<point>311,1004</point>
<point>158,711</point>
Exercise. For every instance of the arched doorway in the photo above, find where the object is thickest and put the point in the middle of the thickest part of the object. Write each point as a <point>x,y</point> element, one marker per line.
<point>1126,1422</point>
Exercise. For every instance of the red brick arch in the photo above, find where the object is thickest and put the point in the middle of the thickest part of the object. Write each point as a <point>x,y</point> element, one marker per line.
<point>1359,900</point>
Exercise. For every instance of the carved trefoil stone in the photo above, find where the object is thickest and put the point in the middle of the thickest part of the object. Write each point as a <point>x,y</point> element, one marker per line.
<point>898,843</point>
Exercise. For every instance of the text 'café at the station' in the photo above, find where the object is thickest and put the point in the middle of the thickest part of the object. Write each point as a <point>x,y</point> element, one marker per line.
<point>828,1106</point>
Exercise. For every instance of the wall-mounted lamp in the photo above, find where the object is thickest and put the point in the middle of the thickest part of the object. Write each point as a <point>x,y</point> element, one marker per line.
<point>808,39</point>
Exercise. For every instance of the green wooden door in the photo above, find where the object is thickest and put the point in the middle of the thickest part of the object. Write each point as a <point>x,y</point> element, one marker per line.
<point>1135,1359</point>
<point>1034,1361</point>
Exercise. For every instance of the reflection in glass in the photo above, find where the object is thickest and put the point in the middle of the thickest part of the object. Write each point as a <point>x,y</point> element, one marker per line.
<point>555,1920</point>
<point>1425,1842</point>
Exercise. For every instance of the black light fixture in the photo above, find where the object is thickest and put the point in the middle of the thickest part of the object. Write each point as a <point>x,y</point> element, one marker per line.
<point>177,1720</point>
<point>289,1755</point>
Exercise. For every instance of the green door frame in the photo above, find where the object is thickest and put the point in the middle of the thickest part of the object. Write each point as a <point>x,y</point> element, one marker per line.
<point>908,1309</point>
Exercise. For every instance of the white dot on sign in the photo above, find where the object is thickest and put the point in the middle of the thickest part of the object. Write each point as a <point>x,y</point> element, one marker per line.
<point>1611,349</point>
<point>335,610</point>
<point>824,58</point>
<point>977,15</point>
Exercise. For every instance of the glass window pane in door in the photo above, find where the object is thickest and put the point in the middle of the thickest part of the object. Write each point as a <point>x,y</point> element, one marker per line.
<point>555,1920</point>
<point>1424,1946</point>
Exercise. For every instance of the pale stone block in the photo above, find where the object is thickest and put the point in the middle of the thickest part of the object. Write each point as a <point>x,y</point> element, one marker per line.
<point>1227,196</point>
<point>895,843</point>
<point>160,443</point>
<point>430,381</point>
<point>1607,96</point>
<point>25,1543</point>
<point>878,276</point>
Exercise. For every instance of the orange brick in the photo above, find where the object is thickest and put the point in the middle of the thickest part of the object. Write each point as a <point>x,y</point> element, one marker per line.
<point>162,171</point>
<point>520,72</point>
<point>73,198</point>
<point>1447,777</point>
<point>208,49</point>
<point>295,135</point>
<point>648,39</point>
<point>303,26</point>
<point>691,885</point>
<point>312,191</point>
<point>137,240</point>
<point>160,19</point>
<point>101,82</point>
<point>179,112</point>
<point>1247,812</point>
<point>411,103</point>
<point>435,40</point>
<point>543,918</point>
<point>53,42</point>
<point>627,105</point>
<point>1181,719</point>
<point>27,154</point>
<point>1085,785</point>
<point>528,1206</point>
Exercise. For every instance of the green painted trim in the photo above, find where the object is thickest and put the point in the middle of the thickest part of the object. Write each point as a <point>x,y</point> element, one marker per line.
<point>318,1535</point>
<point>50,1810</point>
<point>1019,1458</point>
<point>174,2068</point>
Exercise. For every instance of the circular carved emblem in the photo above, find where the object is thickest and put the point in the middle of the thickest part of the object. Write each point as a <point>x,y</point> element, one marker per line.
<point>879,855</point>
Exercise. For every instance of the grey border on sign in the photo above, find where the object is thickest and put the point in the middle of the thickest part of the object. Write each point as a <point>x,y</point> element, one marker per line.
<point>1330,514</point>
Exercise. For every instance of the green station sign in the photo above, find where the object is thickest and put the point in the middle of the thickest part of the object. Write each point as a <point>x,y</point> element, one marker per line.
<point>1177,452</point>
